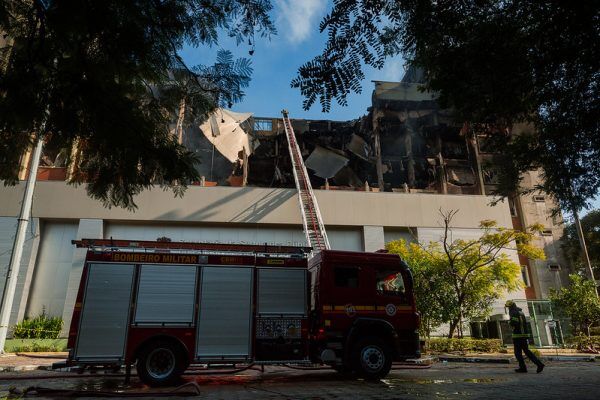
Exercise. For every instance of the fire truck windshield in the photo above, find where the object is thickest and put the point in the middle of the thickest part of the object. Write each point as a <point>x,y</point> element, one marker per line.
<point>390,283</point>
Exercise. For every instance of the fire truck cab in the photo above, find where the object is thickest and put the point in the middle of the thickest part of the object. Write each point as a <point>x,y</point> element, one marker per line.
<point>164,306</point>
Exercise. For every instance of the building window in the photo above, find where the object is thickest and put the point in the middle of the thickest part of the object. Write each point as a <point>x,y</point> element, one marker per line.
<point>346,277</point>
<point>525,275</point>
<point>554,267</point>
<point>547,232</point>
<point>390,282</point>
<point>513,207</point>
<point>263,124</point>
<point>539,199</point>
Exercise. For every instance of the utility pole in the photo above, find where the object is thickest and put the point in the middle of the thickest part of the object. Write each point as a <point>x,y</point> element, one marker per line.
<point>586,256</point>
<point>17,252</point>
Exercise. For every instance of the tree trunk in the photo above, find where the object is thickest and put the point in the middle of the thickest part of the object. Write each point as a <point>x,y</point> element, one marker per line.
<point>453,325</point>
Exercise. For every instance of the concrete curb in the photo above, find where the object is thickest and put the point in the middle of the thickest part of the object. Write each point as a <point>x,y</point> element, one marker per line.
<point>488,360</point>
<point>571,358</point>
<point>423,360</point>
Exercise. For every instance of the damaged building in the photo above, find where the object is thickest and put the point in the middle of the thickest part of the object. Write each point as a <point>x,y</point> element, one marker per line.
<point>404,144</point>
<point>380,177</point>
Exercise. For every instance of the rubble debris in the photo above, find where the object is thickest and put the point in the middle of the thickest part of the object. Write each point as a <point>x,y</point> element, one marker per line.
<point>226,131</point>
<point>326,163</point>
<point>359,147</point>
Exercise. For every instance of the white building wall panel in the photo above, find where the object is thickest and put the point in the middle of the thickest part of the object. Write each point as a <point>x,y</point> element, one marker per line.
<point>345,238</point>
<point>53,267</point>
<point>390,234</point>
<point>340,238</point>
<point>220,234</point>
<point>8,227</point>
<point>373,238</point>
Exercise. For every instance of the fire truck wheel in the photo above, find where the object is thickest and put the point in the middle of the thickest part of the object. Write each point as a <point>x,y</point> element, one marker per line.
<point>372,358</point>
<point>160,363</point>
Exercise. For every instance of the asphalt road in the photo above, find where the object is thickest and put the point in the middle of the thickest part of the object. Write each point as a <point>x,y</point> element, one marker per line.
<point>560,380</point>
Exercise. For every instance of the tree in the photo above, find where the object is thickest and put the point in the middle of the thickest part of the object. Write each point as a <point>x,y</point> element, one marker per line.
<point>106,75</point>
<point>580,302</point>
<point>495,63</point>
<point>470,274</point>
<point>430,286</point>
<point>590,225</point>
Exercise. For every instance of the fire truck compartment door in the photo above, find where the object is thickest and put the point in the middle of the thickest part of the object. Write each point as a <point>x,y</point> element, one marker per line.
<point>166,294</point>
<point>282,291</point>
<point>105,313</point>
<point>225,313</point>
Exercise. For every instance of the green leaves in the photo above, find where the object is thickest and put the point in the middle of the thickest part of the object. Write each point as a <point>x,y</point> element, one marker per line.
<point>40,327</point>
<point>500,63</point>
<point>590,224</point>
<point>579,302</point>
<point>110,73</point>
<point>459,279</point>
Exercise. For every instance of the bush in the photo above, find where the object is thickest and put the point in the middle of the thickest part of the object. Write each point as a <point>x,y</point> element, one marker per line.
<point>40,327</point>
<point>464,345</point>
<point>584,343</point>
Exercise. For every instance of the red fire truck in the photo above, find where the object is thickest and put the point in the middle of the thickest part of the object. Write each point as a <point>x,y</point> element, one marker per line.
<point>164,306</point>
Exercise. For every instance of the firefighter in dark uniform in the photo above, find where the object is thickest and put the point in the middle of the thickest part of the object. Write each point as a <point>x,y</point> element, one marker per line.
<point>520,338</point>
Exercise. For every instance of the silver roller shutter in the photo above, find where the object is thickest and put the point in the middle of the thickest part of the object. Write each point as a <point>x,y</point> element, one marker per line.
<point>166,294</point>
<point>225,312</point>
<point>282,291</point>
<point>105,313</point>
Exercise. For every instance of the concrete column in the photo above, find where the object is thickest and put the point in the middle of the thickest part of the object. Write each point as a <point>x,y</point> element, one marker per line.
<point>373,238</point>
<point>88,229</point>
<point>377,149</point>
<point>7,235</point>
<point>27,269</point>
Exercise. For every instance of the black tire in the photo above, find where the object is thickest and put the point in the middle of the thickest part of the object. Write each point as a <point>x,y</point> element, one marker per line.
<point>161,363</point>
<point>372,358</point>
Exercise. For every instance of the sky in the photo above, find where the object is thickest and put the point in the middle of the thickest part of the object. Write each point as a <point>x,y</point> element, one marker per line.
<point>276,62</point>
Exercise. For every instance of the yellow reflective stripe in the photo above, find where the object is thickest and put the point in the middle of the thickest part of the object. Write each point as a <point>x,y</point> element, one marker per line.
<point>364,308</point>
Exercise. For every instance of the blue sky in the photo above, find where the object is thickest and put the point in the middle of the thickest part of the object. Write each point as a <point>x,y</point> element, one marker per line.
<point>275,63</point>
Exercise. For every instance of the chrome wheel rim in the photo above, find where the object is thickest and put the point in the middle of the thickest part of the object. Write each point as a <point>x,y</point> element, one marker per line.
<point>160,363</point>
<point>372,358</point>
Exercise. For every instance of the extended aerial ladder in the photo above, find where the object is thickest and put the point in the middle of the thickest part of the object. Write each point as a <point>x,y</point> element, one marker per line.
<point>314,229</point>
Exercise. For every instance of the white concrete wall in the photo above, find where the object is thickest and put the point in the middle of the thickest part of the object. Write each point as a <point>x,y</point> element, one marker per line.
<point>8,226</point>
<point>394,233</point>
<point>258,205</point>
<point>54,263</point>
<point>86,229</point>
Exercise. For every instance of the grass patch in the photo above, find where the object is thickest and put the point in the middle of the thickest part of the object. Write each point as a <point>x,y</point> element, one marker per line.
<point>35,345</point>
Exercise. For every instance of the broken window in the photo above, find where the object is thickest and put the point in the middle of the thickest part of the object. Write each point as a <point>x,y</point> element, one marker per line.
<point>263,124</point>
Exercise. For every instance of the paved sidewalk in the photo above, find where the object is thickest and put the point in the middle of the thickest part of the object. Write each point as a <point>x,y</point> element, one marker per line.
<point>29,361</point>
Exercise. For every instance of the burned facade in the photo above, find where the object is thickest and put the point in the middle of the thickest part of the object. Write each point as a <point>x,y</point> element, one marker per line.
<point>405,143</point>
